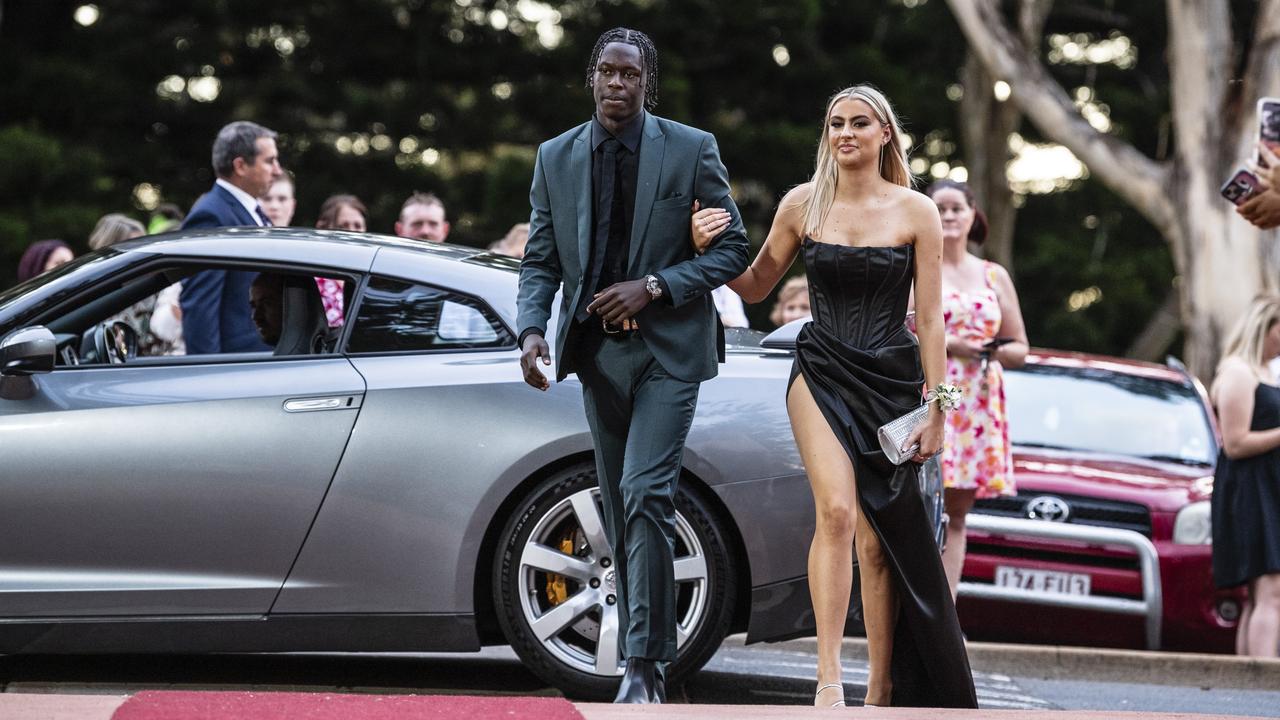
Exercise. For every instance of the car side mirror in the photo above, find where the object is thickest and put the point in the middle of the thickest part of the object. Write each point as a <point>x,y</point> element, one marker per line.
<point>28,351</point>
<point>784,338</point>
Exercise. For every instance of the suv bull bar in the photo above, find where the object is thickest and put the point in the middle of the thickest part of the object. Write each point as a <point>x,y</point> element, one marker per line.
<point>1151,606</point>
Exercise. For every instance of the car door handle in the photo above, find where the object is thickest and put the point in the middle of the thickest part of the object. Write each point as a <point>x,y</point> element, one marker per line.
<point>314,404</point>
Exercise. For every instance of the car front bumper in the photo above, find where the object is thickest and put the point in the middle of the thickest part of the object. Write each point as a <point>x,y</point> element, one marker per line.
<point>1156,595</point>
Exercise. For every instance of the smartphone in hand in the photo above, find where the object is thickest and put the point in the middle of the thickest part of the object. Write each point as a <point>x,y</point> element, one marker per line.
<point>994,343</point>
<point>1268,126</point>
<point>1242,186</point>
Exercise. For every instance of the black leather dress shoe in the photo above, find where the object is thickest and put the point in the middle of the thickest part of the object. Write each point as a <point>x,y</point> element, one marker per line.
<point>642,683</point>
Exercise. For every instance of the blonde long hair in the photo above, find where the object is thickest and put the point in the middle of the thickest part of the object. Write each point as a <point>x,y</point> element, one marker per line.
<point>893,159</point>
<point>1250,332</point>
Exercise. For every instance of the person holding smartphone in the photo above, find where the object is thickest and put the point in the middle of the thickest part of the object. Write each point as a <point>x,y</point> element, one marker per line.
<point>984,335</point>
<point>1263,209</point>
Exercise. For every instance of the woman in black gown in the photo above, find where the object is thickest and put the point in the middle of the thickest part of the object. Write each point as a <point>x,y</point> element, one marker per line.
<point>866,237</point>
<point>1246,485</point>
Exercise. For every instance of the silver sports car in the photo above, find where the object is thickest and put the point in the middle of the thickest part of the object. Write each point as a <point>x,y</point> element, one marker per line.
<point>382,481</point>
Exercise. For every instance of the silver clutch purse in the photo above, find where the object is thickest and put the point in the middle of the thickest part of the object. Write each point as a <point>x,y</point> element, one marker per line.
<point>895,432</point>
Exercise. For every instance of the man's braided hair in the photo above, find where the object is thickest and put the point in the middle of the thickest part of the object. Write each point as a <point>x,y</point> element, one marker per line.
<point>648,54</point>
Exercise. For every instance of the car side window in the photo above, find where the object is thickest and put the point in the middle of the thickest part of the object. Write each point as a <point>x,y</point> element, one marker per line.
<point>401,316</point>
<point>240,312</point>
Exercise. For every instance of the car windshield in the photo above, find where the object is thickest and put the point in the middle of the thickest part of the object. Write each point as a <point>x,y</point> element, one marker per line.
<point>743,338</point>
<point>17,291</point>
<point>1108,412</point>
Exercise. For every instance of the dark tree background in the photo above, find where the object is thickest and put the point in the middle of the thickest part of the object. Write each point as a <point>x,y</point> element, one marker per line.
<point>384,97</point>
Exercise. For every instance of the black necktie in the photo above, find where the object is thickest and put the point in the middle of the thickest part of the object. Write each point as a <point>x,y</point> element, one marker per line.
<point>610,196</point>
<point>262,215</point>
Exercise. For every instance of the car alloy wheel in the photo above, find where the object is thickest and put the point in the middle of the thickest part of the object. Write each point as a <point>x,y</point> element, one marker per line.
<point>579,623</point>
<point>556,586</point>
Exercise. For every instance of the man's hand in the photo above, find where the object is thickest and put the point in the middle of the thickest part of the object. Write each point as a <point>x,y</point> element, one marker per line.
<point>535,347</point>
<point>1263,209</point>
<point>620,301</point>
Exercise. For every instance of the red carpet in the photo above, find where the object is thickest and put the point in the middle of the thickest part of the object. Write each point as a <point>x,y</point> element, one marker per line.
<point>164,705</point>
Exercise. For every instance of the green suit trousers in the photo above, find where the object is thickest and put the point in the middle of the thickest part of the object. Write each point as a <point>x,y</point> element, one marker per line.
<point>639,417</point>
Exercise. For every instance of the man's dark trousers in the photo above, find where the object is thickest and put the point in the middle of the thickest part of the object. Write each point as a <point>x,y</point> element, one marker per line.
<point>639,417</point>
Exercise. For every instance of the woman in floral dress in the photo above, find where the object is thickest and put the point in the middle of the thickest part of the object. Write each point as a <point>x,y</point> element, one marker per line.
<point>979,305</point>
<point>338,212</point>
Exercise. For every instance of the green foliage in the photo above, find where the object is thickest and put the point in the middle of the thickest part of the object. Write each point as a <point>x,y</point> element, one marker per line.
<point>1120,256</point>
<point>48,190</point>
<point>385,97</point>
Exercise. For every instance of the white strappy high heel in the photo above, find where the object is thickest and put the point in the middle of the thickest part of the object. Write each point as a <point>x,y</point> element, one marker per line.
<point>838,703</point>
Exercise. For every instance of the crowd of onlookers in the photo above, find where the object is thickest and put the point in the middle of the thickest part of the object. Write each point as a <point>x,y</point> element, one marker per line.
<point>207,312</point>
<point>273,190</point>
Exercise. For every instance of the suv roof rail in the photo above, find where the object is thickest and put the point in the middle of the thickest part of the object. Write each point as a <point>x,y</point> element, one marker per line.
<point>1177,365</point>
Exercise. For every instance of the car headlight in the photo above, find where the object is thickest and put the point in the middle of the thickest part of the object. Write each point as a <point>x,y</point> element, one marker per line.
<point>1193,525</point>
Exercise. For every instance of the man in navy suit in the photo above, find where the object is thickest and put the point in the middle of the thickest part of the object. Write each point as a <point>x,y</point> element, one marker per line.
<point>215,303</point>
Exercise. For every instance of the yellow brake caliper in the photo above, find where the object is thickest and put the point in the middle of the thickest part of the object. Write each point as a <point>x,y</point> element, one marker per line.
<point>557,589</point>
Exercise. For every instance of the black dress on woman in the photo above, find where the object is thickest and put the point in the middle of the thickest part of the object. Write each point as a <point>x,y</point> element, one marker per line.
<point>1246,504</point>
<point>863,368</point>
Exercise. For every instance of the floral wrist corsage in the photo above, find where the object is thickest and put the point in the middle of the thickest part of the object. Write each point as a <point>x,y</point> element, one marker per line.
<point>948,396</point>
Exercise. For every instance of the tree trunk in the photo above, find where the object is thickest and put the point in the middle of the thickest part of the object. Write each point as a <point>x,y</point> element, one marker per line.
<point>1221,272</point>
<point>985,127</point>
<point>1221,259</point>
<point>1154,340</point>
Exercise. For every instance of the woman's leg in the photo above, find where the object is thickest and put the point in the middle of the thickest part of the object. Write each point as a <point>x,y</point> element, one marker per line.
<point>1264,621</point>
<point>879,611</point>
<point>831,554</point>
<point>958,502</point>
<point>1242,626</point>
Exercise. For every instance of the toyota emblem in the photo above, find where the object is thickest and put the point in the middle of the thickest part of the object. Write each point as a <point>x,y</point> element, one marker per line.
<point>1049,508</point>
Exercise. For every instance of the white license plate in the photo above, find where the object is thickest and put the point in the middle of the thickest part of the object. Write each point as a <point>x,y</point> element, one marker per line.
<point>1043,581</point>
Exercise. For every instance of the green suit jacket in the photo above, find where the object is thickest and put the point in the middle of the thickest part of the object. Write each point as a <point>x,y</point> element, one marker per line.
<point>677,165</point>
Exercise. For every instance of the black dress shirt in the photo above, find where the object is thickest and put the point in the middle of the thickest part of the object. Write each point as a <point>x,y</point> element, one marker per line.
<point>613,209</point>
<point>615,164</point>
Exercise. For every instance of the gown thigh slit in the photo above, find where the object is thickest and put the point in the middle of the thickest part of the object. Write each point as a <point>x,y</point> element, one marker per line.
<point>862,367</point>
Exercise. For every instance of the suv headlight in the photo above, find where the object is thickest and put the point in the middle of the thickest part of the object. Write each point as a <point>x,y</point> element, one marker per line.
<point>1193,525</point>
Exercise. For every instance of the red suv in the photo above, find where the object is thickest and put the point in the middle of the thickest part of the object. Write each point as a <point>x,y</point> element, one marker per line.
<point>1107,541</point>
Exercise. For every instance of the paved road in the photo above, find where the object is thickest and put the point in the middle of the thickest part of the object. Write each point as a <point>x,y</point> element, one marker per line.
<point>736,675</point>
<point>766,674</point>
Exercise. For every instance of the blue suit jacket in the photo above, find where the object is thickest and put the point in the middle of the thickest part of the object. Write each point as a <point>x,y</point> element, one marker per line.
<point>215,303</point>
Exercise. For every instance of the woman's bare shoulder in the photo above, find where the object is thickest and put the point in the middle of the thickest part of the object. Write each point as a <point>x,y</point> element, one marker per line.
<point>917,212</point>
<point>1235,371</point>
<point>796,198</point>
<point>1233,364</point>
<point>1001,275</point>
<point>914,202</point>
<point>792,207</point>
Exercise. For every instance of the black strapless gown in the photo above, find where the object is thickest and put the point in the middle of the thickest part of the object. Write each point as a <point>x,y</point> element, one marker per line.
<point>863,368</point>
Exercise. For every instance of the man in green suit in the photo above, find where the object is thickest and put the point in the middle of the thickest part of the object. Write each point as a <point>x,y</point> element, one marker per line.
<point>611,205</point>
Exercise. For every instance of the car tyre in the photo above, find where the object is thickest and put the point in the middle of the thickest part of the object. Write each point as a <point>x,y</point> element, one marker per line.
<point>551,586</point>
